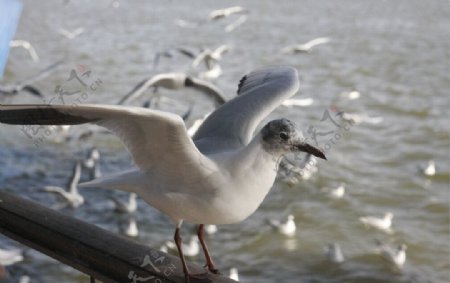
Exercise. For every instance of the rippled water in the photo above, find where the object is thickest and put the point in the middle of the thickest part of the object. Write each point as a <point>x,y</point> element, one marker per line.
<point>395,53</point>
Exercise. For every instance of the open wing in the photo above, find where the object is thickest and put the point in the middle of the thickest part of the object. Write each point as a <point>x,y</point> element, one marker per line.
<point>232,125</point>
<point>157,140</point>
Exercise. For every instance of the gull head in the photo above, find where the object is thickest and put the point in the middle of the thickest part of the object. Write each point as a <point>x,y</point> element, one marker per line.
<point>281,137</point>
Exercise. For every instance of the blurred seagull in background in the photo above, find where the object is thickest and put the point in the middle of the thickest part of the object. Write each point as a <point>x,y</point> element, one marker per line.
<point>211,229</point>
<point>10,256</point>
<point>27,46</point>
<point>92,163</point>
<point>175,81</point>
<point>351,95</point>
<point>337,192</point>
<point>226,12</point>
<point>170,53</point>
<point>71,196</point>
<point>298,102</point>
<point>192,249</point>
<point>384,223</point>
<point>219,176</point>
<point>234,274</point>
<point>286,227</point>
<point>26,85</point>
<point>430,170</point>
<point>234,25</point>
<point>126,207</point>
<point>333,253</point>
<point>71,34</point>
<point>305,47</point>
<point>397,256</point>
<point>360,118</point>
<point>130,228</point>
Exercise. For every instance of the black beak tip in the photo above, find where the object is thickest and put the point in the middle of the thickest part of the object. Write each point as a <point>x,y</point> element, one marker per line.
<point>318,153</point>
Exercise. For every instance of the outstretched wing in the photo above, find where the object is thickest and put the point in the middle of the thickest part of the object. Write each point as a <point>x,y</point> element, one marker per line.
<point>259,93</point>
<point>157,140</point>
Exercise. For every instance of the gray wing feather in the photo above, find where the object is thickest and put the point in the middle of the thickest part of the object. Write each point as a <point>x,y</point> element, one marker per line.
<point>259,93</point>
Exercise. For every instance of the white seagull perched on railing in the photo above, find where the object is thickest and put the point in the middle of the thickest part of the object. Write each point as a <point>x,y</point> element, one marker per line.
<point>219,176</point>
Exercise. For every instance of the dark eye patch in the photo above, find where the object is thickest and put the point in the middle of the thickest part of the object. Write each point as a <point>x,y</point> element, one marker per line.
<point>284,136</point>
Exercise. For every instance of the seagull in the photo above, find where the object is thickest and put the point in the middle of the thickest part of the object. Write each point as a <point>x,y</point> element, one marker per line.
<point>10,256</point>
<point>384,223</point>
<point>298,102</point>
<point>337,192</point>
<point>397,256</point>
<point>72,196</point>
<point>305,47</point>
<point>210,57</point>
<point>211,74</point>
<point>175,81</point>
<point>191,250</point>
<point>211,229</point>
<point>234,274</point>
<point>126,207</point>
<point>92,163</point>
<point>286,227</point>
<point>26,85</point>
<point>27,46</point>
<point>333,253</point>
<point>223,13</point>
<point>351,95</point>
<point>71,34</point>
<point>131,228</point>
<point>230,27</point>
<point>430,170</point>
<point>169,53</point>
<point>219,176</point>
<point>360,118</point>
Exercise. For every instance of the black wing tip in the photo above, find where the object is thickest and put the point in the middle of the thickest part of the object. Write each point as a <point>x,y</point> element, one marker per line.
<point>241,83</point>
<point>39,115</point>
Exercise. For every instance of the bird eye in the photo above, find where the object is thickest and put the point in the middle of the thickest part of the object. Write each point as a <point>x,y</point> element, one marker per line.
<point>284,136</point>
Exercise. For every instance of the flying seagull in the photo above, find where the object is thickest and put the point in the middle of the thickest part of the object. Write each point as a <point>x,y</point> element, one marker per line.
<point>305,47</point>
<point>27,46</point>
<point>223,13</point>
<point>175,81</point>
<point>71,195</point>
<point>220,176</point>
<point>26,85</point>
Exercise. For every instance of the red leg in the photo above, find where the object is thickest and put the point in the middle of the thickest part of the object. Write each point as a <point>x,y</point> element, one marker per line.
<point>209,261</point>
<point>179,243</point>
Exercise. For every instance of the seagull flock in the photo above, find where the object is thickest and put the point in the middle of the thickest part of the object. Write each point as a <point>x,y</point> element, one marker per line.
<point>219,170</point>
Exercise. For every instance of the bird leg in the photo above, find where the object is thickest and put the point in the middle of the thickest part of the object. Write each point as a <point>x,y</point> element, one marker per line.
<point>179,243</point>
<point>209,261</point>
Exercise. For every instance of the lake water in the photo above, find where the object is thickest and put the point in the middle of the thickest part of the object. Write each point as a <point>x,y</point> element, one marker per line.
<point>395,53</point>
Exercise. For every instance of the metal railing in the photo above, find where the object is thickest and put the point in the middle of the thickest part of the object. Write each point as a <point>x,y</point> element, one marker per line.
<point>96,252</point>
